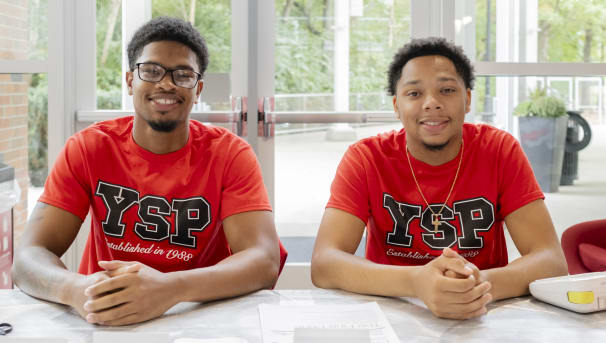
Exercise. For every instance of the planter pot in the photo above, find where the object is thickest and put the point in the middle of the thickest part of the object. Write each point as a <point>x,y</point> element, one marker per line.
<point>543,141</point>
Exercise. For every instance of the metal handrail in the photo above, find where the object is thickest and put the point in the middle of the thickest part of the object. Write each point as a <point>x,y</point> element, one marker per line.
<point>329,117</point>
<point>207,116</point>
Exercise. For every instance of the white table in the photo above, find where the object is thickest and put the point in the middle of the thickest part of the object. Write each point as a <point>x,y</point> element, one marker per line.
<point>515,320</point>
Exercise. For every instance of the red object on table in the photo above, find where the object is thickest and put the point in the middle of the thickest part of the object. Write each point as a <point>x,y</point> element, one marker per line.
<point>586,233</point>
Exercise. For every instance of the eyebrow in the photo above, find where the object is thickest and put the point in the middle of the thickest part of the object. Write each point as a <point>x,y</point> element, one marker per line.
<point>441,79</point>
<point>180,66</point>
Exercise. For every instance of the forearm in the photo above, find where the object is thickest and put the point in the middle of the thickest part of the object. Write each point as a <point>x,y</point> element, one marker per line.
<point>513,279</point>
<point>40,273</point>
<point>241,273</point>
<point>333,268</point>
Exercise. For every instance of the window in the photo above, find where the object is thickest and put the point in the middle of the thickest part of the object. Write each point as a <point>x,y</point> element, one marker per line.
<point>329,57</point>
<point>23,99</point>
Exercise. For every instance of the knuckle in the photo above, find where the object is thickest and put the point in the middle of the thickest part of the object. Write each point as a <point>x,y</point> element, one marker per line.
<point>487,298</point>
<point>109,284</point>
<point>119,312</point>
<point>93,306</point>
<point>99,277</point>
<point>101,318</point>
<point>470,297</point>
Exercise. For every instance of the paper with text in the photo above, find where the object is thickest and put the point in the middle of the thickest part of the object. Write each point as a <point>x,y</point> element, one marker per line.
<point>278,322</point>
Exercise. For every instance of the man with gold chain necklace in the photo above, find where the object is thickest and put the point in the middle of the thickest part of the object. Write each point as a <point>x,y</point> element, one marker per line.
<point>433,198</point>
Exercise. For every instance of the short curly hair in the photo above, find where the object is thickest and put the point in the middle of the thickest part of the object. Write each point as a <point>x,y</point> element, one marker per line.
<point>425,47</point>
<point>170,29</point>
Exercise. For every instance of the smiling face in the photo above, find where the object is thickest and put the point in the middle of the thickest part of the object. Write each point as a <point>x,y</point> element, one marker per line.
<point>431,102</point>
<point>163,105</point>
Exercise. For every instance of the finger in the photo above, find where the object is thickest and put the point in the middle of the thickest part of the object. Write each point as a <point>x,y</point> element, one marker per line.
<point>126,320</point>
<point>115,264</point>
<point>98,277</point>
<point>472,295</point>
<point>464,316</point>
<point>476,271</point>
<point>456,285</point>
<point>454,264</point>
<point>112,314</point>
<point>133,268</point>
<point>447,252</point>
<point>110,285</point>
<point>452,274</point>
<point>450,253</point>
<point>108,301</point>
<point>465,311</point>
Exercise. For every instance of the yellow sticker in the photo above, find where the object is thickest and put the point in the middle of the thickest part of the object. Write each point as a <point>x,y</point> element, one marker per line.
<point>580,297</point>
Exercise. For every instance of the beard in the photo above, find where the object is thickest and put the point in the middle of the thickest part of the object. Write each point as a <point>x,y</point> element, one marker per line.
<point>435,147</point>
<point>162,125</point>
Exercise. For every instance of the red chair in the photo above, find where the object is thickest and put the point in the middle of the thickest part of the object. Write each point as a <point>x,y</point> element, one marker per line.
<point>584,247</point>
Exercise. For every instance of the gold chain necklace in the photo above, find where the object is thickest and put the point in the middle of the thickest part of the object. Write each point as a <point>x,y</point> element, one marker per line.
<point>435,217</point>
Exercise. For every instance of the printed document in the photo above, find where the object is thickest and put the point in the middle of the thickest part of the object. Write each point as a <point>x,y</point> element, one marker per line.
<point>324,323</point>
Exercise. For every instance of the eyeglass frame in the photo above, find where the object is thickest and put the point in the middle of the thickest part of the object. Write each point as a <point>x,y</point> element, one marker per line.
<point>166,71</point>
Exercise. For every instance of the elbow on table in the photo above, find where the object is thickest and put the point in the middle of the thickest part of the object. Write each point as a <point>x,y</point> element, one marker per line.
<point>18,271</point>
<point>557,261</point>
<point>271,266</point>
<point>15,272</point>
<point>321,270</point>
<point>561,266</point>
<point>552,264</point>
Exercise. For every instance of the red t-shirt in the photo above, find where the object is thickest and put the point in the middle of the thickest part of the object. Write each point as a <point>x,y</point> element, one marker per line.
<point>374,183</point>
<point>164,210</point>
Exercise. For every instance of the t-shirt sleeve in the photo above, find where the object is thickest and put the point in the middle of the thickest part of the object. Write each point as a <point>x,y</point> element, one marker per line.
<point>349,189</point>
<point>517,184</point>
<point>66,186</point>
<point>243,189</point>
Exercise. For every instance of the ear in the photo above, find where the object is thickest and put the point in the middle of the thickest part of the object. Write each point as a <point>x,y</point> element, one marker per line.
<point>199,90</point>
<point>395,107</point>
<point>468,101</point>
<point>129,82</point>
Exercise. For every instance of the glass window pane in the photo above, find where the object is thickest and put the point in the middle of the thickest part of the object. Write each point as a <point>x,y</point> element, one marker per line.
<point>547,31</point>
<point>23,30</point>
<point>310,57</point>
<point>306,162</point>
<point>582,94</point>
<point>305,53</point>
<point>109,54</point>
<point>213,20</point>
<point>23,137</point>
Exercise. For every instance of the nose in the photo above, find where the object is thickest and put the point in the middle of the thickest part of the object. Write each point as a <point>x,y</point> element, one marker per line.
<point>431,103</point>
<point>166,82</point>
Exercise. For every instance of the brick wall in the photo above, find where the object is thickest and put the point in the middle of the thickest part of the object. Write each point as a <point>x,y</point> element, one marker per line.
<point>14,29</point>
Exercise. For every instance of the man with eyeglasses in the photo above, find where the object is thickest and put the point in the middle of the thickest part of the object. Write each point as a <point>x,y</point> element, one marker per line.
<point>178,209</point>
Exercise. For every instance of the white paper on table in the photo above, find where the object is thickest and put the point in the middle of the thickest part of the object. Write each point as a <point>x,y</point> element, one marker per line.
<point>278,323</point>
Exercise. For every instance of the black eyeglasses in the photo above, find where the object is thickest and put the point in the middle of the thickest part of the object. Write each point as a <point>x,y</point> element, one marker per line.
<point>152,72</point>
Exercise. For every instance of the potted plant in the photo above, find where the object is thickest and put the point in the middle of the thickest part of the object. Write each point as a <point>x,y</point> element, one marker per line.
<point>542,123</point>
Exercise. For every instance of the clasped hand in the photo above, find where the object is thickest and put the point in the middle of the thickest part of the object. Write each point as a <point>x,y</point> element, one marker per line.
<point>451,287</point>
<point>124,293</point>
